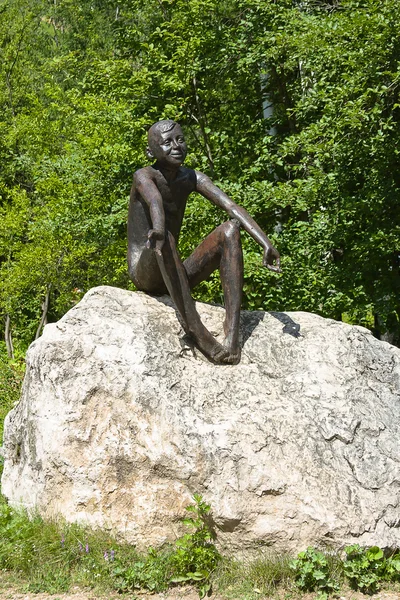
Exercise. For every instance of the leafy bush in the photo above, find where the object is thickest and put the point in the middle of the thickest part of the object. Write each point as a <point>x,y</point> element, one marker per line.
<point>367,567</point>
<point>392,569</point>
<point>312,572</point>
<point>195,557</point>
<point>148,572</point>
<point>191,560</point>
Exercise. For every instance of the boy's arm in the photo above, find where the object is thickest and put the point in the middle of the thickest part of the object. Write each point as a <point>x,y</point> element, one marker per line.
<point>145,186</point>
<point>210,191</point>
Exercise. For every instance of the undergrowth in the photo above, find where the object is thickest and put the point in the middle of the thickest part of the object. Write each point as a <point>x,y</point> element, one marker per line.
<point>255,577</point>
<point>363,569</point>
<point>367,568</point>
<point>191,560</point>
<point>54,556</point>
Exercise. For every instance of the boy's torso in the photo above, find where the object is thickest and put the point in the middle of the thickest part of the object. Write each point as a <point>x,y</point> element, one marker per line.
<point>174,195</point>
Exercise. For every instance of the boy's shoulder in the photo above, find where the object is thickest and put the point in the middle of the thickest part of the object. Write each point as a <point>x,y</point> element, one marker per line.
<point>186,176</point>
<point>143,174</point>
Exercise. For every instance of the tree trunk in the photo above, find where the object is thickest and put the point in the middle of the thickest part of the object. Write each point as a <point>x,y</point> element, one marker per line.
<point>8,338</point>
<point>45,308</point>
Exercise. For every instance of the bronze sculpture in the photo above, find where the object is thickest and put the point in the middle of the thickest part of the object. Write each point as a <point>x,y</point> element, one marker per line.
<point>157,205</point>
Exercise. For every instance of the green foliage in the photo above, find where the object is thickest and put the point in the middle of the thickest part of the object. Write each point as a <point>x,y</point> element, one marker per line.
<point>195,557</point>
<point>51,554</point>
<point>191,560</point>
<point>392,567</point>
<point>79,86</point>
<point>11,375</point>
<point>366,568</point>
<point>148,572</point>
<point>332,79</point>
<point>313,571</point>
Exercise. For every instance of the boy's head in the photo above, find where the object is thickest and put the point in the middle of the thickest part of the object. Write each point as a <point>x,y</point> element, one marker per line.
<point>166,143</point>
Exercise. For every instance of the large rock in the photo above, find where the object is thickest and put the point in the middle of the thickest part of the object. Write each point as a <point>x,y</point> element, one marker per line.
<point>120,422</point>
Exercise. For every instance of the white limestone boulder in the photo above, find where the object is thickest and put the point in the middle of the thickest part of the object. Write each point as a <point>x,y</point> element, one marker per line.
<point>121,421</point>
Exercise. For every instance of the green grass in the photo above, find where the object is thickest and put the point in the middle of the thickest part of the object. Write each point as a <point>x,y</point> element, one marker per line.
<point>254,578</point>
<point>54,556</point>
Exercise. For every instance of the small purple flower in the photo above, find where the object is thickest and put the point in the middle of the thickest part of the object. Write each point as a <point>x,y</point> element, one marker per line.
<point>80,547</point>
<point>62,540</point>
<point>87,548</point>
<point>112,554</point>
<point>106,555</point>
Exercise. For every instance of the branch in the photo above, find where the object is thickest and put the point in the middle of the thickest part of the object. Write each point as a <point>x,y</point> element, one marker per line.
<point>9,72</point>
<point>202,121</point>
<point>165,13</point>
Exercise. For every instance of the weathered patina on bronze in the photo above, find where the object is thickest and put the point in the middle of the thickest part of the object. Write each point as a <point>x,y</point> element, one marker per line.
<point>157,205</point>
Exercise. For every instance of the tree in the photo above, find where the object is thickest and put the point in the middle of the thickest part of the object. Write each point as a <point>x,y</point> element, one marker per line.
<point>80,85</point>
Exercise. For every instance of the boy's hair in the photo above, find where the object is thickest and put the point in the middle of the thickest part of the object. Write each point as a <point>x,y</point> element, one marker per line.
<point>160,127</point>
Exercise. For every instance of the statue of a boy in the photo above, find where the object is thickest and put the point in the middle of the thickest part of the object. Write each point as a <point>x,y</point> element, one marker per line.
<point>158,199</point>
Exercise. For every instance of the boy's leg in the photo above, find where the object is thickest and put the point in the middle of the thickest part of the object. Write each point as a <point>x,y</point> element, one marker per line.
<point>176,280</point>
<point>222,249</point>
<point>144,271</point>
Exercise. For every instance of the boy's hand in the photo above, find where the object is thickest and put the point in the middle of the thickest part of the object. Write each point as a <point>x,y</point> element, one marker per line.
<point>271,255</point>
<point>155,239</point>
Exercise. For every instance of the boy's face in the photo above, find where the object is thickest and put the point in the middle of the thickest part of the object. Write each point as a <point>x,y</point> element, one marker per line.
<point>169,147</point>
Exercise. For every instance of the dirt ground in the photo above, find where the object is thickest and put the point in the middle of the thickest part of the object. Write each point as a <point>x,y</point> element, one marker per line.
<point>11,593</point>
<point>12,589</point>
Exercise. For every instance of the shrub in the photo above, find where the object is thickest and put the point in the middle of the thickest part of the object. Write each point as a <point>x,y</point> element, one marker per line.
<point>312,572</point>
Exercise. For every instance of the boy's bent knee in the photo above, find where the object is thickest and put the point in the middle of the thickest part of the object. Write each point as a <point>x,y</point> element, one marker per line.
<point>231,228</point>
